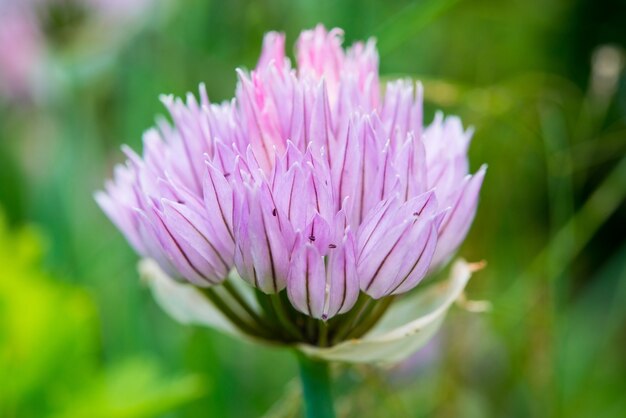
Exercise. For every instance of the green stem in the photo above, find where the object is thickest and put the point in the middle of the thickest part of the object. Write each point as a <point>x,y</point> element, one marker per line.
<point>338,323</point>
<point>268,311</point>
<point>370,321</point>
<point>315,377</point>
<point>353,319</point>
<point>323,334</point>
<point>234,318</point>
<point>310,330</point>
<point>283,317</point>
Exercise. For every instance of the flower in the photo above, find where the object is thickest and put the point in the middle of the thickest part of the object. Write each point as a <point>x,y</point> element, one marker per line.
<point>327,197</point>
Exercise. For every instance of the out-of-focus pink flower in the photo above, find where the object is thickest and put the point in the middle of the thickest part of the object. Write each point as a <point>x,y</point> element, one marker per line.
<point>310,180</point>
<point>22,49</point>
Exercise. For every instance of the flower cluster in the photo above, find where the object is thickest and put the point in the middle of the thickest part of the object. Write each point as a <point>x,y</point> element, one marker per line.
<point>310,180</point>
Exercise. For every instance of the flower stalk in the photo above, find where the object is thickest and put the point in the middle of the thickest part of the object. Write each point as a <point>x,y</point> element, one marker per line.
<point>315,377</point>
<point>228,311</point>
<point>377,312</point>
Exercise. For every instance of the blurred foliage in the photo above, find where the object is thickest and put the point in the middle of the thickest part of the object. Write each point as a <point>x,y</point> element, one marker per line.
<point>542,83</point>
<point>49,352</point>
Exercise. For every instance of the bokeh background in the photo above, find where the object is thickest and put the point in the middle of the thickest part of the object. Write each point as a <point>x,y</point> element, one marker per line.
<point>542,82</point>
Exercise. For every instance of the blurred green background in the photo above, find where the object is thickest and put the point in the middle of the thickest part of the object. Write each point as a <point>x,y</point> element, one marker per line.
<point>542,82</point>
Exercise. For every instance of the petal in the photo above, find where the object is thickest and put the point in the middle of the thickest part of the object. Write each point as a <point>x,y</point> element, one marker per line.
<point>154,247</point>
<point>273,50</point>
<point>318,233</point>
<point>257,124</point>
<point>344,167</point>
<point>320,123</point>
<point>243,254</point>
<point>183,255</point>
<point>218,200</point>
<point>392,255</point>
<point>390,213</point>
<point>378,270</point>
<point>366,193</point>
<point>306,286</point>
<point>194,230</point>
<point>319,54</point>
<point>417,261</point>
<point>411,166</point>
<point>264,243</point>
<point>289,196</point>
<point>379,221</point>
<point>302,192</point>
<point>343,282</point>
<point>457,222</point>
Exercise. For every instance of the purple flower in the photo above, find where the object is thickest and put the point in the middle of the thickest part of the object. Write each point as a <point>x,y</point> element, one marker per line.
<point>310,184</point>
